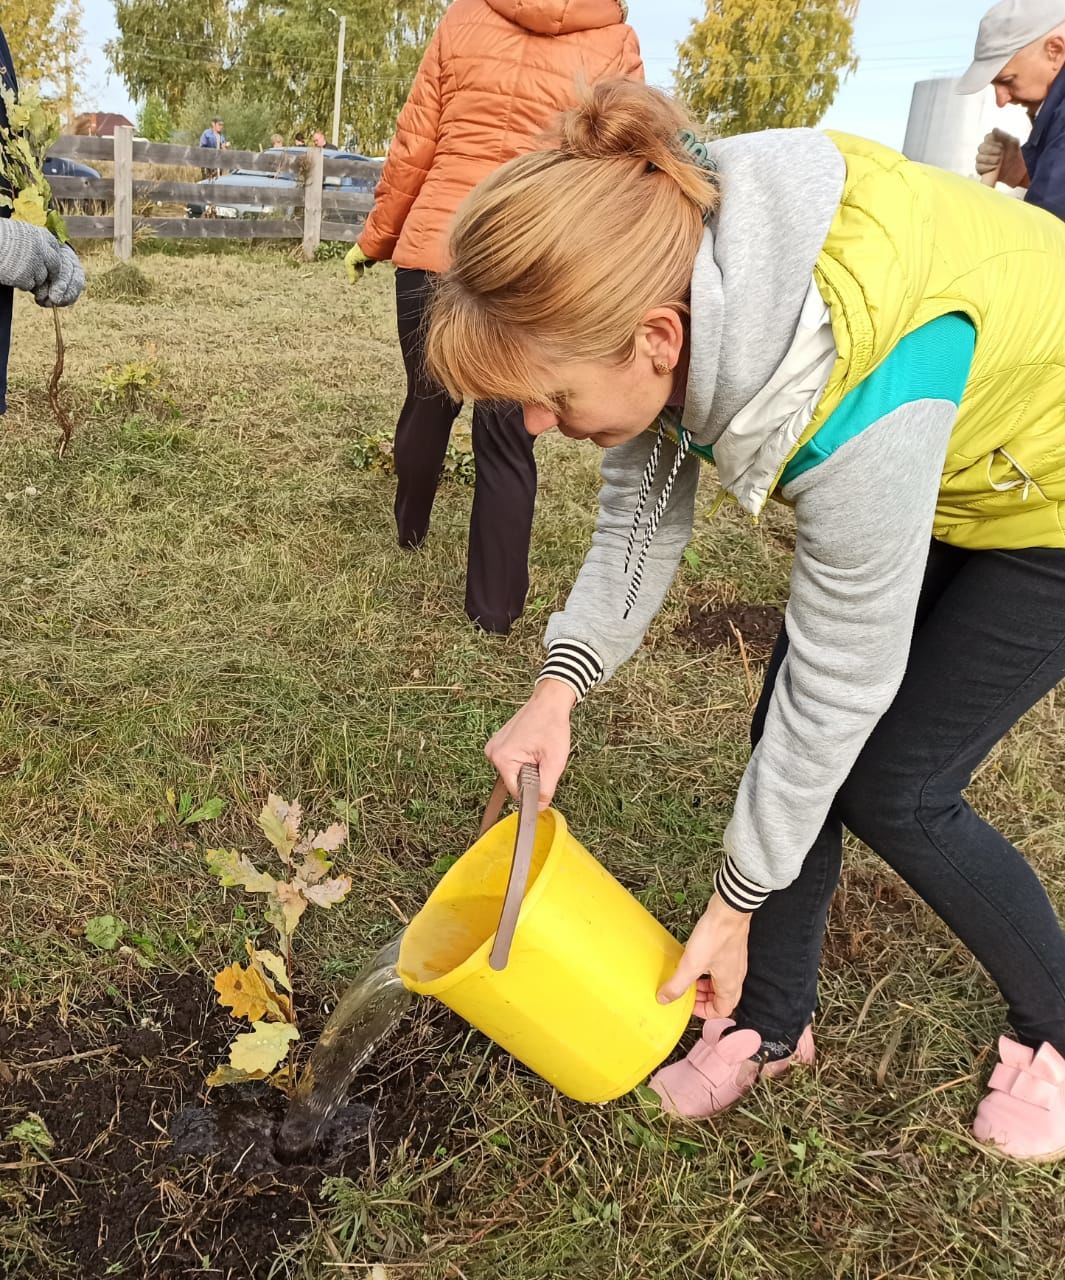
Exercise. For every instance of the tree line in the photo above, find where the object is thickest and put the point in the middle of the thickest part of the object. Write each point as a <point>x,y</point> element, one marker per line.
<point>269,67</point>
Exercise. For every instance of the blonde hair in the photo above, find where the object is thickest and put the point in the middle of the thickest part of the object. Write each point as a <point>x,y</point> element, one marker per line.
<point>559,254</point>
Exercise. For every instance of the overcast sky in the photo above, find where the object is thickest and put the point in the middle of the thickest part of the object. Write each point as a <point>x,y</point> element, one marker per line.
<point>899,41</point>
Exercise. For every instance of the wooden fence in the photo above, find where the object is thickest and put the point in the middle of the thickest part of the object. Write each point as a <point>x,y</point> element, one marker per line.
<point>327,213</point>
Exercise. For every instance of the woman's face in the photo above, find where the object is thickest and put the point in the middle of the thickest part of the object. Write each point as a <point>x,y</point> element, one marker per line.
<point>610,404</point>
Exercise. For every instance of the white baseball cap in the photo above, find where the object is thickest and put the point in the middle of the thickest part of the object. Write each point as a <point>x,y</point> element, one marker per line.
<point>1004,31</point>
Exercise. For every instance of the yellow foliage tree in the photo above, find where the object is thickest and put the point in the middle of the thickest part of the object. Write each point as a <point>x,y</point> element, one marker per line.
<point>766,64</point>
<point>46,44</point>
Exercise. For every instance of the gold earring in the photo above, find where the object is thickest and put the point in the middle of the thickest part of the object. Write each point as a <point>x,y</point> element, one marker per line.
<point>662,366</point>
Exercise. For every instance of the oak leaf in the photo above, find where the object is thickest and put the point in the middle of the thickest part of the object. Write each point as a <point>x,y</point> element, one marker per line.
<point>292,904</point>
<point>272,963</point>
<point>29,207</point>
<point>248,993</point>
<point>225,1074</point>
<point>280,823</point>
<point>262,1048</point>
<point>315,866</point>
<point>328,841</point>
<point>233,868</point>
<point>328,892</point>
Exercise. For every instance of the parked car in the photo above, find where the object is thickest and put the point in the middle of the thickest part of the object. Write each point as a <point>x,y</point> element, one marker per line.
<point>61,167</point>
<point>216,205</point>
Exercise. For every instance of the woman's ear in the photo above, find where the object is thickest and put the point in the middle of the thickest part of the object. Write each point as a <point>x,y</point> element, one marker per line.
<point>662,335</point>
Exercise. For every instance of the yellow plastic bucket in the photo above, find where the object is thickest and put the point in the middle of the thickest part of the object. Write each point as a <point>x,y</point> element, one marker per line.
<point>576,1001</point>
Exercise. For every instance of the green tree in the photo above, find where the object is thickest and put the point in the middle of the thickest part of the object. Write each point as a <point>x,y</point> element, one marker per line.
<point>280,55</point>
<point>766,64</point>
<point>154,120</point>
<point>296,45</point>
<point>163,48</point>
<point>248,122</point>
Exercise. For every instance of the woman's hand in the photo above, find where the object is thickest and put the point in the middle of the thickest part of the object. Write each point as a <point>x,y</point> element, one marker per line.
<point>537,734</point>
<point>31,258</point>
<point>356,263</point>
<point>718,947</point>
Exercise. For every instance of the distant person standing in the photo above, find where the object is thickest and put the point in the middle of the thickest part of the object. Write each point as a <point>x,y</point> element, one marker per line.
<point>318,138</point>
<point>1020,53</point>
<point>494,75</point>
<point>276,140</point>
<point>214,135</point>
<point>214,138</point>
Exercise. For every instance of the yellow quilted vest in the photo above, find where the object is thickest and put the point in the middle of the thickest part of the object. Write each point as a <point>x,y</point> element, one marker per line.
<point>910,244</point>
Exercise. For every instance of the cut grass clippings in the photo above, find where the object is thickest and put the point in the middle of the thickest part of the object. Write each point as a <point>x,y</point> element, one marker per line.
<point>205,595</point>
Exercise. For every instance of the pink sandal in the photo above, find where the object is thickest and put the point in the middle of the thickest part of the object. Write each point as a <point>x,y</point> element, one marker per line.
<point>1023,1114</point>
<point>719,1071</point>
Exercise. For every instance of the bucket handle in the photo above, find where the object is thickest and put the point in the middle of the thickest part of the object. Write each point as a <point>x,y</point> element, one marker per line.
<point>528,812</point>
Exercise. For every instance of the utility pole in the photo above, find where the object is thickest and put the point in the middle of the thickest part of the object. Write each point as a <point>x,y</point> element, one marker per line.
<point>339,77</point>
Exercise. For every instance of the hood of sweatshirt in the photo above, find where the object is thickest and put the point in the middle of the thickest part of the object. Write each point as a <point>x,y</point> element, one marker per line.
<point>751,296</point>
<point>561,17</point>
<point>779,193</point>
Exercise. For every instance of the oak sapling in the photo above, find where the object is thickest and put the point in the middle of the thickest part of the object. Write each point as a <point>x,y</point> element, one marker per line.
<point>261,990</point>
<point>31,131</point>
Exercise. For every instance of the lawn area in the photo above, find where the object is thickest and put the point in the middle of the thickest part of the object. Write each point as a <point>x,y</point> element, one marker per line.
<point>204,595</point>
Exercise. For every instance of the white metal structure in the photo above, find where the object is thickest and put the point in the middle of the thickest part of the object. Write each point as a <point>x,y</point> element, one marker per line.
<point>946,127</point>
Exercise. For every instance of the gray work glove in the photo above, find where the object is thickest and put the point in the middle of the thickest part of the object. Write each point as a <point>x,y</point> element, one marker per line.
<point>31,258</point>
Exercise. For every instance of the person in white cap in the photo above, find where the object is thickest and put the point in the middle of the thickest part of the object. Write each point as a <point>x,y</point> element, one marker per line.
<point>1020,52</point>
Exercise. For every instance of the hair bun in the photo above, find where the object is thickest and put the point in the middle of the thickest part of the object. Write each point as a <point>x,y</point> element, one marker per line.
<point>622,119</point>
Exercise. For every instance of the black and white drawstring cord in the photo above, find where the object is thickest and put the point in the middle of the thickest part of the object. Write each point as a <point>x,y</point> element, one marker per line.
<point>655,518</point>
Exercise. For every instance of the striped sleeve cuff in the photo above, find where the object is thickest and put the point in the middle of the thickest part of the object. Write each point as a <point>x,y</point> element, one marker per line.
<point>736,890</point>
<point>575,664</point>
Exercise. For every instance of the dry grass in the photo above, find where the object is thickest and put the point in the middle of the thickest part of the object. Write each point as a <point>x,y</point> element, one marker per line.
<point>205,594</point>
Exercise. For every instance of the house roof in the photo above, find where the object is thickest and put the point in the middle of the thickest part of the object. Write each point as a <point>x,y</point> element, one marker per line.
<point>99,124</point>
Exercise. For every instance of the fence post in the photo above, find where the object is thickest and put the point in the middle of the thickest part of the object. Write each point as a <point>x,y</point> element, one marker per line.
<point>123,192</point>
<point>312,208</point>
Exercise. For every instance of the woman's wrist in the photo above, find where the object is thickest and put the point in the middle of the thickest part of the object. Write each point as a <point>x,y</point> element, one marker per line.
<point>727,916</point>
<point>554,694</point>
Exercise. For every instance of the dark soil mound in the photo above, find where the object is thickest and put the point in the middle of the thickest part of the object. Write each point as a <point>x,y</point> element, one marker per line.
<point>118,1197</point>
<point>715,626</point>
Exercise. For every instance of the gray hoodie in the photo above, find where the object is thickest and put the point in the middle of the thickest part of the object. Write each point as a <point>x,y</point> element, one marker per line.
<point>761,352</point>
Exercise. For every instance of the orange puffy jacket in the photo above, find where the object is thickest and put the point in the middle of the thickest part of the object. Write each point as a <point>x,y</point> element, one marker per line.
<point>494,74</point>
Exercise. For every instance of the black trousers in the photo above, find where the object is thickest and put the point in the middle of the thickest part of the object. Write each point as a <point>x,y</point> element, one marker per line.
<point>497,567</point>
<point>989,642</point>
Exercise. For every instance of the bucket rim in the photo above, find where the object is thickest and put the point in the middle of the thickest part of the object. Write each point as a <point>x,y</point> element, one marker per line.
<point>477,960</point>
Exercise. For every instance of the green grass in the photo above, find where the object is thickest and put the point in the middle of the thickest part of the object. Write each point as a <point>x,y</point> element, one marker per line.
<point>205,594</point>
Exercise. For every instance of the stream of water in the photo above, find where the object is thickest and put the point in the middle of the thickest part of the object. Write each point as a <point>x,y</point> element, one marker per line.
<point>369,1009</point>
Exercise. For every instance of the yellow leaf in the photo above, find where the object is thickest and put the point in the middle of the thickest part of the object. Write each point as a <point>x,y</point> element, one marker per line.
<point>171,797</point>
<point>29,207</point>
<point>272,962</point>
<point>280,823</point>
<point>226,1074</point>
<point>233,868</point>
<point>292,904</point>
<point>263,1048</point>
<point>249,994</point>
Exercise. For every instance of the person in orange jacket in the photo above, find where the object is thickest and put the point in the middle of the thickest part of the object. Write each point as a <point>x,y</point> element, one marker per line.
<point>494,75</point>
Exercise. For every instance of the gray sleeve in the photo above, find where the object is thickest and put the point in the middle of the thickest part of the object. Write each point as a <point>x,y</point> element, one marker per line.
<point>864,520</point>
<point>590,638</point>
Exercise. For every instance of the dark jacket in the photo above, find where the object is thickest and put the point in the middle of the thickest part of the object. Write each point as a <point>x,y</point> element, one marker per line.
<point>1044,152</point>
<point>7,295</point>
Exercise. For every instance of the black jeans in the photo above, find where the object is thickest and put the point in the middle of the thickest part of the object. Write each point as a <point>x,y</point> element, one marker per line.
<point>504,495</point>
<point>989,642</point>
